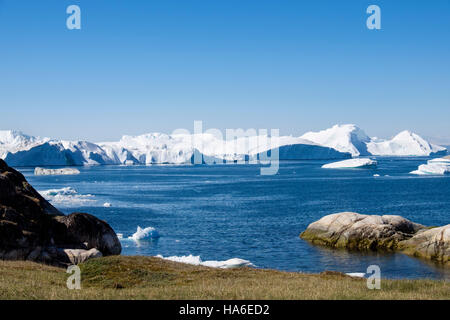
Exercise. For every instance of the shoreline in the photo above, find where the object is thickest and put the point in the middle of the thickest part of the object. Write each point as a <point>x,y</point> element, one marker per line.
<point>139,277</point>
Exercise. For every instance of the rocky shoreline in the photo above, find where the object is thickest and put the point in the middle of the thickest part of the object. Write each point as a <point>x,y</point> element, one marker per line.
<point>32,229</point>
<point>361,232</point>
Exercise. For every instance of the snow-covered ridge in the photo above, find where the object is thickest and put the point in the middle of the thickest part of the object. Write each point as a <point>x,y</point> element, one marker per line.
<point>350,138</point>
<point>338,142</point>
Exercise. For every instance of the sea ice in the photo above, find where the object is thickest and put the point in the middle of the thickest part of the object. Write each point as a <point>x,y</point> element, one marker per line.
<point>64,171</point>
<point>196,260</point>
<point>438,166</point>
<point>351,163</point>
<point>67,197</point>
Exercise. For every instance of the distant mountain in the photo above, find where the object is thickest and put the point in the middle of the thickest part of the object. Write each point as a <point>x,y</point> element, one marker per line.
<point>338,142</point>
<point>350,138</point>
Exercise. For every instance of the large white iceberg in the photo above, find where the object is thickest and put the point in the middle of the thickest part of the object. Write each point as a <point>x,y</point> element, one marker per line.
<point>338,142</point>
<point>344,138</point>
<point>155,148</point>
<point>350,138</point>
<point>18,149</point>
<point>405,143</point>
<point>438,166</point>
<point>351,163</point>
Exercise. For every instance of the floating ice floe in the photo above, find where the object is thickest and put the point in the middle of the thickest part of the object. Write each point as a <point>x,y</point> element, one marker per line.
<point>438,166</point>
<point>144,234</point>
<point>196,260</point>
<point>356,274</point>
<point>351,163</point>
<point>67,197</point>
<point>48,172</point>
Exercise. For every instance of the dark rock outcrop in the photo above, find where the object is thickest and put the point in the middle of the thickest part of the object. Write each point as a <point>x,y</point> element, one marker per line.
<point>32,229</point>
<point>356,231</point>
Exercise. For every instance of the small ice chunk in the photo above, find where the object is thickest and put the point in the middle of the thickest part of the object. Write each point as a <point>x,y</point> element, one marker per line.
<point>48,172</point>
<point>351,163</point>
<point>143,234</point>
<point>356,274</point>
<point>196,260</point>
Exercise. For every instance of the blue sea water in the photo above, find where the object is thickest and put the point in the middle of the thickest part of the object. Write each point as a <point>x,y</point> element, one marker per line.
<point>225,211</point>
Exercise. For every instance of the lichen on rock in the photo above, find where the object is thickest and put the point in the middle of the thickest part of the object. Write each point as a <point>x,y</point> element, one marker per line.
<point>356,231</point>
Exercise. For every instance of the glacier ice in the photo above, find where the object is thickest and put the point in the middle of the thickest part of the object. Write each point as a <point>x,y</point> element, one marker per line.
<point>338,142</point>
<point>351,163</point>
<point>405,143</point>
<point>344,138</point>
<point>350,138</point>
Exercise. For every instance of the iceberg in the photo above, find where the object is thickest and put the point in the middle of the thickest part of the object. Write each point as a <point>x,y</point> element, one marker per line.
<point>351,163</point>
<point>438,166</point>
<point>144,234</point>
<point>350,138</point>
<point>196,260</point>
<point>344,138</point>
<point>46,172</point>
<point>405,143</point>
<point>338,142</point>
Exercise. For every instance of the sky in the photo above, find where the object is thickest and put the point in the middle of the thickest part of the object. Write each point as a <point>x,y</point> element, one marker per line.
<point>155,66</point>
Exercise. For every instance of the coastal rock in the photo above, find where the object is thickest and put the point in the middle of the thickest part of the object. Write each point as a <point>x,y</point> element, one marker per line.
<point>433,244</point>
<point>32,229</point>
<point>92,232</point>
<point>361,232</point>
<point>76,256</point>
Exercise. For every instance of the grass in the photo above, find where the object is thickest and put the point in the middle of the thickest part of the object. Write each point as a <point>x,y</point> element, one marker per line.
<point>125,277</point>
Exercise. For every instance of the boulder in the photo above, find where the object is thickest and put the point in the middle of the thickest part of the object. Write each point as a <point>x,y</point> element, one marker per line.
<point>360,232</point>
<point>433,244</point>
<point>94,233</point>
<point>32,229</point>
<point>77,256</point>
<point>356,231</point>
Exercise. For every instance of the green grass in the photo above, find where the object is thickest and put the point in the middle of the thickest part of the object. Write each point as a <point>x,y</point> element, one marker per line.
<point>124,277</point>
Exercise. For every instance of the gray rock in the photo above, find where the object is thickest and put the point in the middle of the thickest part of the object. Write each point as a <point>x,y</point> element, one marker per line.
<point>433,244</point>
<point>361,232</point>
<point>372,232</point>
<point>77,256</point>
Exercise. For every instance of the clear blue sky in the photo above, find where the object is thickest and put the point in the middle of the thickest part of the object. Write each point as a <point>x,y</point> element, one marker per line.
<point>145,66</point>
